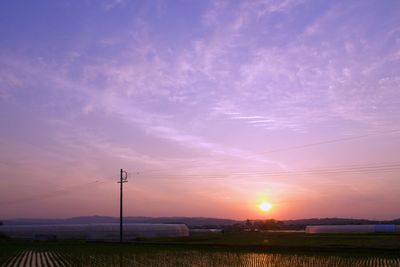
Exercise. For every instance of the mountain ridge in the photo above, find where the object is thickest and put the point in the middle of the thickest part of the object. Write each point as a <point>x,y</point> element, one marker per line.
<point>191,221</point>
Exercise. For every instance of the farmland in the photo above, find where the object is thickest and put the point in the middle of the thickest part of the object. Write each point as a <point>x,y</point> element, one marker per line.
<point>172,258</point>
<point>239,249</point>
<point>294,241</point>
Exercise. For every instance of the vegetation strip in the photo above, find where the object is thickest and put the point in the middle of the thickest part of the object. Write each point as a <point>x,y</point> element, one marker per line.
<point>154,256</point>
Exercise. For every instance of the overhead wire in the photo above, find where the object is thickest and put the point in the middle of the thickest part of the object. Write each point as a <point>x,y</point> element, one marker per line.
<point>189,164</point>
<point>340,170</point>
<point>352,169</point>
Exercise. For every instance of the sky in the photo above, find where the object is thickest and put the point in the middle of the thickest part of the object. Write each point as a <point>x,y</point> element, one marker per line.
<point>210,106</point>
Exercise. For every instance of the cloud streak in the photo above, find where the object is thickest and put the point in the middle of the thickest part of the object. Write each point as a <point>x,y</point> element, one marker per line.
<point>208,85</point>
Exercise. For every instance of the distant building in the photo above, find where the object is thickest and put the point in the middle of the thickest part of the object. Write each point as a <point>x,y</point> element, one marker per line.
<point>342,229</point>
<point>106,231</point>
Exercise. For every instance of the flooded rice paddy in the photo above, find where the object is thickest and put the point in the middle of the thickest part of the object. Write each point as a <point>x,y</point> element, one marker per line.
<point>60,258</point>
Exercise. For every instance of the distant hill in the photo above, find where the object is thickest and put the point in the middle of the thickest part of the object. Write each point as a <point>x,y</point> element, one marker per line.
<point>190,221</point>
<point>337,221</point>
<point>196,222</point>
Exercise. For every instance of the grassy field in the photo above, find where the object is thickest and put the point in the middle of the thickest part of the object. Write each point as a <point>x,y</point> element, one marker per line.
<point>293,241</point>
<point>216,249</point>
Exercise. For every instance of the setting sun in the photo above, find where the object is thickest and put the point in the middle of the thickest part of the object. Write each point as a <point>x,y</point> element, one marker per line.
<point>265,206</point>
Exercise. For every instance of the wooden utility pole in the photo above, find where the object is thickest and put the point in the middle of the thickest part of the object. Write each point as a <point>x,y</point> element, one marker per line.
<point>123,179</point>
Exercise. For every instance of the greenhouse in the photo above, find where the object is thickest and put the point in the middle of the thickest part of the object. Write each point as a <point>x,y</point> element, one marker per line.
<point>106,231</point>
<point>378,228</point>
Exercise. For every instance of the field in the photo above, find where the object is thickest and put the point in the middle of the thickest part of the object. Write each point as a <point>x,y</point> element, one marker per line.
<point>238,249</point>
<point>295,241</point>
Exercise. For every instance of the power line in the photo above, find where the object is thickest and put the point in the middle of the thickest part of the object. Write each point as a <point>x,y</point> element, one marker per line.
<point>353,166</point>
<point>252,179</point>
<point>352,169</point>
<point>289,148</point>
<point>331,141</point>
<point>383,167</point>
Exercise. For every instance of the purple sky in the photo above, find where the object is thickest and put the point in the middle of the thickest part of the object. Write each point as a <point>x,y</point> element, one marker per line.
<point>211,106</point>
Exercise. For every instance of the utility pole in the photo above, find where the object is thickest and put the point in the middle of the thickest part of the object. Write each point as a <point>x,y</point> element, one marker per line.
<point>123,179</point>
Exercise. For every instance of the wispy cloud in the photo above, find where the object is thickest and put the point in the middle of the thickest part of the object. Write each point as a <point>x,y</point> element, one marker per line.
<point>158,84</point>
